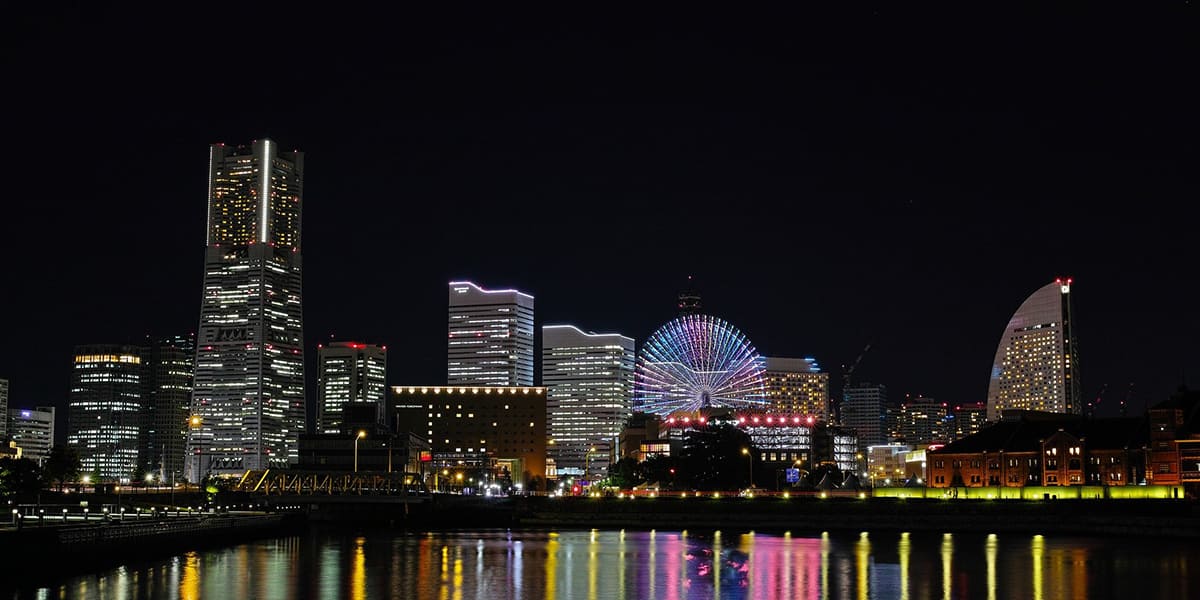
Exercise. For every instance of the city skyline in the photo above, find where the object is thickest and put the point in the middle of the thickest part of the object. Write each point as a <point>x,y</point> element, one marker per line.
<point>856,201</point>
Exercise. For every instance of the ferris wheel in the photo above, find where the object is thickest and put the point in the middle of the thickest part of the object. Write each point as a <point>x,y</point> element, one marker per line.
<point>697,362</point>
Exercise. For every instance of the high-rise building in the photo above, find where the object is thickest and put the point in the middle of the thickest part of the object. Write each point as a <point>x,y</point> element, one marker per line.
<point>865,410</point>
<point>168,371</point>
<point>248,402</point>
<point>968,419</point>
<point>923,421</point>
<point>490,337</point>
<point>1037,363</point>
<point>797,386</point>
<point>3,409</point>
<point>349,372</point>
<point>589,392</point>
<point>33,431</point>
<point>104,419</point>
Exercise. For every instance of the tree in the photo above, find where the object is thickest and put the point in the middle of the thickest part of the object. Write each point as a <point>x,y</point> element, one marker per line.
<point>624,473</point>
<point>713,458</point>
<point>62,465</point>
<point>19,478</point>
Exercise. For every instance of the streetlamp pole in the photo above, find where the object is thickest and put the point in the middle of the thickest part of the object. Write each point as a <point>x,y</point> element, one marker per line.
<point>195,422</point>
<point>749,464</point>
<point>361,435</point>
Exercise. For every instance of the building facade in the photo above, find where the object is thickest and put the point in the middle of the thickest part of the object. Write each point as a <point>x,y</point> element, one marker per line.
<point>497,432</point>
<point>1044,449</point>
<point>589,394</point>
<point>168,370</point>
<point>924,421</point>
<point>349,372</point>
<point>865,410</point>
<point>4,409</point>
<point>33,431</point>
<point>490,339</point>
<point>105,414</point>
<point>966,419</point>
<point>1036,364</point>
<point>248,399</point>
<point>797,386</point>
<point>1175,441</point>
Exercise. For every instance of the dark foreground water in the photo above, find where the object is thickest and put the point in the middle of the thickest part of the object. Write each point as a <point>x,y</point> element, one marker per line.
<point>654,564</point>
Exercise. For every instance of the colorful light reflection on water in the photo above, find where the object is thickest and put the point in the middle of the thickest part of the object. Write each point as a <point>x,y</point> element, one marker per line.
<point>672,565</point>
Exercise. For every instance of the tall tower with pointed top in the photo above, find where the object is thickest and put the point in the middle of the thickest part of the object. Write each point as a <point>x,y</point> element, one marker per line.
<point>689,299</point>
<point>247,409</point>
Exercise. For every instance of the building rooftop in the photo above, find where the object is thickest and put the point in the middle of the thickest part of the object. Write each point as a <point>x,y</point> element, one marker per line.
<point>1025,433</point>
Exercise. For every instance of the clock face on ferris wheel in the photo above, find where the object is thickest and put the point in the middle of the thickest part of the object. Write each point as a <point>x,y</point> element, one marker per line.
<point>697,362</point>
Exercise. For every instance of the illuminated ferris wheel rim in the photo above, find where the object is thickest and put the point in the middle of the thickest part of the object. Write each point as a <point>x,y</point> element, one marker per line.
<point>698,362</point>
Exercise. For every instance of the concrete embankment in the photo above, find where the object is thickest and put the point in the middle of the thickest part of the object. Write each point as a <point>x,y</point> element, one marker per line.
<point>76,546</point>
<point>1155,518</point>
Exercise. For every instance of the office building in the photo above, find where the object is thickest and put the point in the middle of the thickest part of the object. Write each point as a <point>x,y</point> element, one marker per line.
<point>349,372</point>
<point>497,432</point>
<point>589,392</point>
<point>168,370</point>
<point>966,419</point>
<point>248,398</point>
<point>490,338</point>
<point>923,421</point>
<point>104,417</point>
<point>865,410</point>
<point>33,431</point>
<point>796,386</point>
<point>1036,364</point>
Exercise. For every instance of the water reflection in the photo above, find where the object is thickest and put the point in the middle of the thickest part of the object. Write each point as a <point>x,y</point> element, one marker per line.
<point>680,565</point>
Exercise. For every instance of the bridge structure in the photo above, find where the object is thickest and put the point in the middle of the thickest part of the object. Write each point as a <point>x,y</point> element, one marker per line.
<point>312,486</point>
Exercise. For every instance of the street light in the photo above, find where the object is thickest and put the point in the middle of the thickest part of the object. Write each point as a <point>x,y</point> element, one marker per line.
<point>587,463</point>
<point>361,435</point>
<point>749,464</point>
<point>195,421</point>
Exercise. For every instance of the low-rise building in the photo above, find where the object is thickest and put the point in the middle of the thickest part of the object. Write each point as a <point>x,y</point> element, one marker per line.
<point>1044,449</point>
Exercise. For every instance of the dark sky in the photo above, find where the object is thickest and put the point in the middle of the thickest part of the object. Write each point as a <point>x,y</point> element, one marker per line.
<point>870,175</point>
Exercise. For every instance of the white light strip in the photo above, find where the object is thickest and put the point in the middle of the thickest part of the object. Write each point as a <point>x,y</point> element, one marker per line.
<point>510,291</point>
<point>585,333</point>
<point>208,229</point>
<point>266,187</point>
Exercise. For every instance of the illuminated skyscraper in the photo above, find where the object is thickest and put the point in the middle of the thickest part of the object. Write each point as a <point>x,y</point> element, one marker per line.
<point>865,409</point>
<point>589,392</point>
<point>349,372</point>
<point>4,409</point>
<point>490,337</point>
<point>168,371</point>
<point>104,418</point>
<point>1036,365</point>
<point>248,401</point>
<point>797,386</point>
<point>33,431</point>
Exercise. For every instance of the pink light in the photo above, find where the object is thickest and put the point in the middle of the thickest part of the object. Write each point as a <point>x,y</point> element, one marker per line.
<point>671,420</point>
<point>810,420</point>
<point>755,419</point>
<point>702,419</point>
<point>795,419</point>
<point>770,420</point>
<point>687,420</point>
<point>741,419</point>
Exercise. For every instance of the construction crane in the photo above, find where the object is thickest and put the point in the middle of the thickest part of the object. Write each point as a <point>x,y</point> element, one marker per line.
<point>846,373</point>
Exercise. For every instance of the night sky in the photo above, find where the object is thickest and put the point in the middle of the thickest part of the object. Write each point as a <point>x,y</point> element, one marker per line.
<point>874,175</point>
